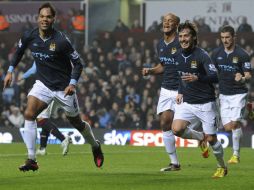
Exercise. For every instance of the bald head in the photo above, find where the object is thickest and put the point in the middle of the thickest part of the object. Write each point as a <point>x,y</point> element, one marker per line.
<point>170,23</point>
<point>173,16</point>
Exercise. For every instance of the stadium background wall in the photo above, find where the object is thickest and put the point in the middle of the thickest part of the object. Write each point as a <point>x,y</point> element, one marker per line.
<point>122,137</point>
<point>214,12</point>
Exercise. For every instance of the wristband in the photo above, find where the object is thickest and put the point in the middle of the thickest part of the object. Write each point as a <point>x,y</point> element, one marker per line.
<point>10,69</point>
<point>73,82</point>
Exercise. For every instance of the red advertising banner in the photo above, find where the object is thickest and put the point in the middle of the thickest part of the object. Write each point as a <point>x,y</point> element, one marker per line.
<point>146,138</point>
<point>154,138</point>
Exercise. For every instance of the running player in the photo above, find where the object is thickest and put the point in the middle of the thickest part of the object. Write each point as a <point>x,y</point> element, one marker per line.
<point>58,70</point>
<point>196,96</point>
<point>233,64</point>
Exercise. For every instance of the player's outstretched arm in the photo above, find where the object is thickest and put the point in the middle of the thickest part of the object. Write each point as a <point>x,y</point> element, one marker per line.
<point>7,80</point>
<point>158,69</point>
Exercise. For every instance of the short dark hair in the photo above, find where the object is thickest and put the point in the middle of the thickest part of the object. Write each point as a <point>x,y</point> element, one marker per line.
<point>192,27</point>
<point>48,5</point>
<point>228,28</point>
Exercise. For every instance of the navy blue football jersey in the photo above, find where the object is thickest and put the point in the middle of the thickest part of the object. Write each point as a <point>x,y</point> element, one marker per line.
<point>199,63</point>
<point>228,65</point>
<point>165,54</point>
<point>56,60</point>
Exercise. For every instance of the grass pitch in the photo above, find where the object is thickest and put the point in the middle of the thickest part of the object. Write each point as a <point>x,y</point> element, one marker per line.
<point>125,168</point>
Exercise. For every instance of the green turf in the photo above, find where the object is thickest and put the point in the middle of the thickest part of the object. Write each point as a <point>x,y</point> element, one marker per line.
<point>125,168</point>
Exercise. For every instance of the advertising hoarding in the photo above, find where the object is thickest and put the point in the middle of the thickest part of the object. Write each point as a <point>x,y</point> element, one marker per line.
<point>122,137</point>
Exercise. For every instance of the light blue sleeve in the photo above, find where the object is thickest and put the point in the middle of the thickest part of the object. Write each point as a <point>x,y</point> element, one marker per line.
<point>30,71</point>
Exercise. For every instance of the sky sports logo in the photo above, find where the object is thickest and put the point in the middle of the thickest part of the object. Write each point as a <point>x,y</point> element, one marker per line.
<point>150,138</point>
<point>142,138</point>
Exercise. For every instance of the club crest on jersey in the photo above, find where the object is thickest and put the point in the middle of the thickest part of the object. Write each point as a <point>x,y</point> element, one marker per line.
<point>193,64</point>
<point>235,60</point>
<point>52,47</point>
<point>173,50</point>
<point>247,65</point>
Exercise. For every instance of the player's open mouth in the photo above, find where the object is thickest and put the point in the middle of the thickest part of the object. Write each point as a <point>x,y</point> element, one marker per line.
<point>166,29</point>
<point>44,24</point>
<point>185,44</point>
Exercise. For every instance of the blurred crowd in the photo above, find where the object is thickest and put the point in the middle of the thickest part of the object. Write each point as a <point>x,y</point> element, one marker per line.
<point>112,92</point>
